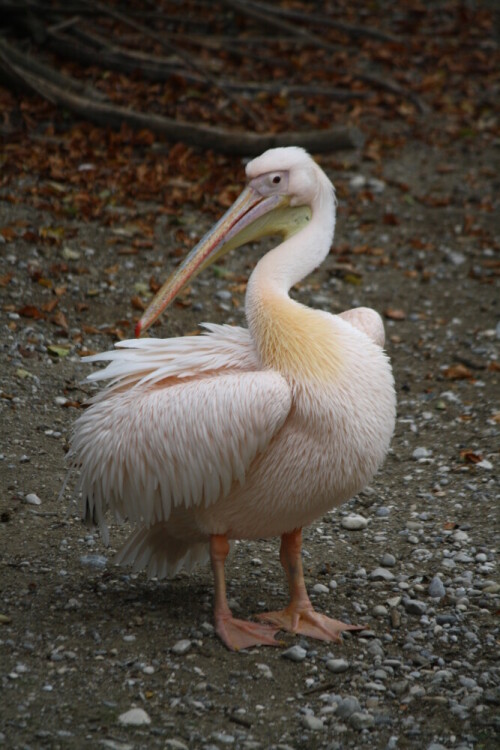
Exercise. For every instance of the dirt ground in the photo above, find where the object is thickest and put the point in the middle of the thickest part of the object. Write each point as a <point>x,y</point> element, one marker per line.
<point>82,641</point>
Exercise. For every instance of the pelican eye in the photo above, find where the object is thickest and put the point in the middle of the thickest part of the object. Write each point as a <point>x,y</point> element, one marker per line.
<point>276,179</point>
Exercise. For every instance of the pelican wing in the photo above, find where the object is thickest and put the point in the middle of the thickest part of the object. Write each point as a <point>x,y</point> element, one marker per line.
<point>141,361</point>
<point>148,449</point>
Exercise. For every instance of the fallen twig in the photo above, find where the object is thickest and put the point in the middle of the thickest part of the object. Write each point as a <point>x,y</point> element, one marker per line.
<point>219,139</point>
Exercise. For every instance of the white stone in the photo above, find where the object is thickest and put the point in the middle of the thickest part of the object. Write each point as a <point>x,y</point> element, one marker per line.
<point>354,522</point>
<point>320,588</point>
<point>181,647</point>
<point>313,723</point>
<point>337,665</point>
<point>32,499</point>
<point>136,717</point>
<point>295,653</point>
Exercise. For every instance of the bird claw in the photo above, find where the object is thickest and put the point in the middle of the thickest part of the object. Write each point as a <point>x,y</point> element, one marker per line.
<point>308,622</point>
<point>237,634</point>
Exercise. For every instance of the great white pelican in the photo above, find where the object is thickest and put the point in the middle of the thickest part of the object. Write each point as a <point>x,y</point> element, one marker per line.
<point>242,433</point>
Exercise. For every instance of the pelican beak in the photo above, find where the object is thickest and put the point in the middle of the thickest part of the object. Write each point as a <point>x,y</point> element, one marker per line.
<point>251,217</point>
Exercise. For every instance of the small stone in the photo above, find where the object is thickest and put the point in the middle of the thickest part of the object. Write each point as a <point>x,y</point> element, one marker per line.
<point>223,738</point>
<point>420,452</point>
<point>381,574</point>
<point>383,512</point>
<point>436,588</point>
<point>320,588</point>
<point>295,653</point>
<point>485,464</point>
<point>354,522</point>
<point>348,706</point>
<point>414,606</point>
<point>94,561</point>
<point>136,717</point>
<point>361,720</point>
<point>174,744</point>
<point>380,611</point>
<point>357,182</point>
<point>223,294</point>
<point>337,665</point>
<point>399,687</point>
<point>181,647</point>
<point>388,560</point>
<point>32,499</point>
<point>312,723</point>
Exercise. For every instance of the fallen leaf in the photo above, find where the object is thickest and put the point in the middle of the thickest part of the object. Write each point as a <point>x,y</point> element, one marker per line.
<point>58,351</point>
<point>470,457</point>
<point>137,303</point>
<point>59,319</point>
<point>30,311</point>
<point>457,372</point>
<point>395,314</point>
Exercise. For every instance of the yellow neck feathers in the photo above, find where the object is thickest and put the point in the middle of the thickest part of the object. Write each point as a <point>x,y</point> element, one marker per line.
<point>294,340</point>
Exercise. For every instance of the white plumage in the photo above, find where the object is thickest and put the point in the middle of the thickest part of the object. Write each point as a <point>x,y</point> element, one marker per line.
<point>241,434</point>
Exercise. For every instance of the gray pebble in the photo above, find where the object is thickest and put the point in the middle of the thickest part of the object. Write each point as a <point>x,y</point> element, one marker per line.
<point>174,744</point>
<point>361,720</point>
<point>414,606</point>
<point>436,588</point>
<point>312,722</point>
<point>337,665</point>
<point>383,512</point>
<point>381,574</point>
<point>320,588</point>
<point>295,653</point>
<point>420,453</point>
<point>94,561</point>
<point>181,647</point>
<point>348,706</point>
<point>136,717</point>
<point>354,522</point>
<point>388,560</point>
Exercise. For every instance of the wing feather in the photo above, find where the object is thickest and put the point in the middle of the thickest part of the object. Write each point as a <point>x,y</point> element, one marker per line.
<point>144,450</point>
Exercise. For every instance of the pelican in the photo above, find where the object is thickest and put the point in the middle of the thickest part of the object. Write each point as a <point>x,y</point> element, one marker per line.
<point>242,433</point>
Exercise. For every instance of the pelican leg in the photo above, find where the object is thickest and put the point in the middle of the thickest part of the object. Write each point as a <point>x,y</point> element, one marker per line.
<point>235,634</point>
<point>300,616</point>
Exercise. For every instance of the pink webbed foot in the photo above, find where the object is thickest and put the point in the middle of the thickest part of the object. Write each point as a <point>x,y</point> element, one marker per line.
<point>306,621</point>
<point>238,634</point>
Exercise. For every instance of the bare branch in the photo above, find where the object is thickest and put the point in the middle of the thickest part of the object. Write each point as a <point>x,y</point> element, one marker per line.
<point>219,139</point>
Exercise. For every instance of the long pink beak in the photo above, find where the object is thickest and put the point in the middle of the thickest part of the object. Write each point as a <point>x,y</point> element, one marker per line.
<point>224,236</point>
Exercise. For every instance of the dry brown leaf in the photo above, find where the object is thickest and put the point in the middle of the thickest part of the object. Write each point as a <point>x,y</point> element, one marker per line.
<point>395,314</point>
<point>457,372</point>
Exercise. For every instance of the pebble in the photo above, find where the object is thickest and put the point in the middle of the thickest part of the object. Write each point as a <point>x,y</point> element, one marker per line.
<point>348,706</point>
<point>174,744</point>
<point>381,574</point>
<point>388,560</point>
<point>436,588</point>
<point>94,561</point>
<point>361,720</point>
<point>136,717</point>
<point>181,647</point>
<point>354,522</point>
<point>420,452</point>
<point>415,606</point>
<point>320,588</point>
<point>312,722</point>
<point>337,665</point>
<point>295,653</point>
<point>32,499</point>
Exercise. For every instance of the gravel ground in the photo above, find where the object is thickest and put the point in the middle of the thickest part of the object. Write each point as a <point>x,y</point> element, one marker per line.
<point>94,656</point>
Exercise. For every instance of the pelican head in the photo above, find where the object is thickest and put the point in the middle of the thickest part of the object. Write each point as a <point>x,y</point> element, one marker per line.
<point>282,186</point>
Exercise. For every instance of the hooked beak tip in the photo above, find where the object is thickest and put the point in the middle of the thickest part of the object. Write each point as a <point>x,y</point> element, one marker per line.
<point>138,329</point>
